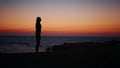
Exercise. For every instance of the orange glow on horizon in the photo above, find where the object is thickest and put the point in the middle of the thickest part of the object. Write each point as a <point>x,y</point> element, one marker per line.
<point>60,18</point>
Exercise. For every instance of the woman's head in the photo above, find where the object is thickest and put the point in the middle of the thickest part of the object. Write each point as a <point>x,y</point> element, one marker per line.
<point>38,19</point>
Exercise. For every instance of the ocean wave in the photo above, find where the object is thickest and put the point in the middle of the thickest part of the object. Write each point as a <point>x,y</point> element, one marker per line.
<point>14,43</point>
<point>13,48</point>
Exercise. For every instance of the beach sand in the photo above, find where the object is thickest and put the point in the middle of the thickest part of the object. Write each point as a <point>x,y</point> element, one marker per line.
<point>92,57</point>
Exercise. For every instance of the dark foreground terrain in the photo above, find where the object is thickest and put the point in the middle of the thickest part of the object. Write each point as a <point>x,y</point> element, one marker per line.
<point>68,55</point>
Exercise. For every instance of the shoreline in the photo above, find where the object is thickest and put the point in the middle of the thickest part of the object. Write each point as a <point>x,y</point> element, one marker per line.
<point>61,47</point>
<point>90,56</point>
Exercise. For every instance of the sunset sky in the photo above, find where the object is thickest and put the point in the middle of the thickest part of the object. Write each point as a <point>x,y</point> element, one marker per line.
<point>60,17</point>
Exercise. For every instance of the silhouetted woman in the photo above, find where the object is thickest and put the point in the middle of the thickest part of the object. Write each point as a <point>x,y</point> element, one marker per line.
<point>38,33</point>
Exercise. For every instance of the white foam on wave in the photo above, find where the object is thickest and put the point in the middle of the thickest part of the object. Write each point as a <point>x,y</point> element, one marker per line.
<point>14,48</point>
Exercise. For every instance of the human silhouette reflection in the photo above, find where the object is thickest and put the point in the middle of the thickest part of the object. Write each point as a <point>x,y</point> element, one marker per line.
<point>38,33</point>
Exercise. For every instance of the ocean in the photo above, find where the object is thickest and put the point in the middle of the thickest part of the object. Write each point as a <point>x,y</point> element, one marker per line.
<point>13,44</point>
